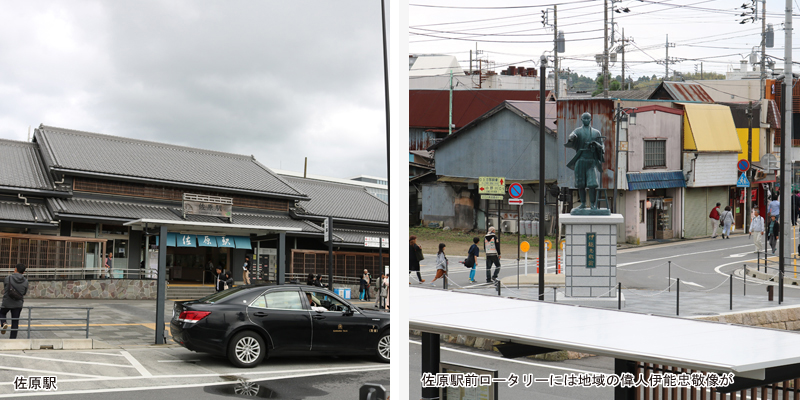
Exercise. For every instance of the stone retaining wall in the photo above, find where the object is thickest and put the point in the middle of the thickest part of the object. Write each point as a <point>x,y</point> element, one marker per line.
<point>784,318</point>
<point>107,289</point>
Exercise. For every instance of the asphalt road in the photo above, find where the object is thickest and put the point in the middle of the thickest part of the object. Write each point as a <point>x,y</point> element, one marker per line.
<point>702,264</point>
<point>161,372</point>
<point>532,368</point>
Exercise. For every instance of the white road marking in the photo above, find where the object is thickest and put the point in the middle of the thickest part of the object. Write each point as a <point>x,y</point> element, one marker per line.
<point>66,361</point>
<point>101,354</point>
<point>739,255</point>
<point>178,361</point>
<point>497,358</point>
<point>682,255</point>
<point>136,364</point>
<point>40,372</point>
<point>689,283</point>
<point>206,384</point>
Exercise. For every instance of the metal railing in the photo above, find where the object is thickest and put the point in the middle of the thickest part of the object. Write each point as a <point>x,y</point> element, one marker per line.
<point>42,274</point>
<point>29,319</point>
<point>342,280</point>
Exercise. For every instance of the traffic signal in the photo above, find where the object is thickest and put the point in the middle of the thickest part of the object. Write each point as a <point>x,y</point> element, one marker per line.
<point>544,17</point>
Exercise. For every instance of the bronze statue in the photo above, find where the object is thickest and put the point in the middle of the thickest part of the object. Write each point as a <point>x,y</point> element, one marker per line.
<point>589,156</point>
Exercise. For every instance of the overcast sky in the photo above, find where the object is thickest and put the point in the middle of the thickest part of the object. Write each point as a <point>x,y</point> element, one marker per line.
<point>281,80</point>
<point>706,31</point>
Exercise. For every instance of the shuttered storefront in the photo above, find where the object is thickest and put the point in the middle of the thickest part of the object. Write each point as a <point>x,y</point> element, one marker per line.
<point>699,202</point>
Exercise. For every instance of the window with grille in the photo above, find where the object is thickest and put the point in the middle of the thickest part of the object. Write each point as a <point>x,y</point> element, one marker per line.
<point>655,153</point>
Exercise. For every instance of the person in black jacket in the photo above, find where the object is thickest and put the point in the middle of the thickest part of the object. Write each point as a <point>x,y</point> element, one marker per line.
<point>224,278</point>
<point>20,284</point>
<point>773,232</point>
<point>414,256</point>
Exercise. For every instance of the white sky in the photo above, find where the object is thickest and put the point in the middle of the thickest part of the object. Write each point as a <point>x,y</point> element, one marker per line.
<point>279,80</point>
<point>705,31</point>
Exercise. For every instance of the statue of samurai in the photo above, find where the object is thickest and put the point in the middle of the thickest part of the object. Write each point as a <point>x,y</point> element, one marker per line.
<point>589,156</point>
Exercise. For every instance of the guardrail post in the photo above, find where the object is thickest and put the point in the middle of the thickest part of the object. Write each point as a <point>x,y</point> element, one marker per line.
<point>29,323</point>
<point>678,298</point>
<point>619,295</point>
<point>780,287</point>
<point>758,261</point>
<point>731,300</point>
<point>87,321</point>
<point>497,283</point>
<point>669,276</point>
<point>744,284</point>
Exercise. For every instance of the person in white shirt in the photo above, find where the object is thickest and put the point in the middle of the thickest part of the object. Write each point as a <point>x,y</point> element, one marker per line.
<point>757,227</point>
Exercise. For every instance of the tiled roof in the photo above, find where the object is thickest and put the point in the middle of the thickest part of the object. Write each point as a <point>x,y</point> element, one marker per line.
<point>339,200</point>
<point>22,167</point>
<point>357,236</point>
<point>655,180</point>
<point>134,211</point>
<point>114,155</point>
<point>18,211</point>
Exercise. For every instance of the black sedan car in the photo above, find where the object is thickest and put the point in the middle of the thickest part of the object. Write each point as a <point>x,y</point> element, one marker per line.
<point>247,323</point>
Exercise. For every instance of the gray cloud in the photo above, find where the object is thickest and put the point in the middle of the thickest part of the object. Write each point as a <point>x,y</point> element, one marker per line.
<point>280,80</point>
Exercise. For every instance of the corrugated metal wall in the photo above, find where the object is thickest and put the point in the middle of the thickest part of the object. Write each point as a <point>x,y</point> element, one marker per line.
<point>699,202</point>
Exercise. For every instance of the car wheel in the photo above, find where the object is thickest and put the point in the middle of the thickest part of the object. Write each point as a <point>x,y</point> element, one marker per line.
<point>383,347</point>
<point>246,349</point>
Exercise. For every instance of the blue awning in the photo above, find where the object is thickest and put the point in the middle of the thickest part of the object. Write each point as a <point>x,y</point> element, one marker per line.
<point>172,238</point>
<point>242,242</point>
<point>655,180</point>
<point>225,241</point>
<point>185,240</point>
<point>206,241</point>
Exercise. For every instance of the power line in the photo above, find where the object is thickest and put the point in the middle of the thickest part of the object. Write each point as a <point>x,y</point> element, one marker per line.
<point>498,8</point>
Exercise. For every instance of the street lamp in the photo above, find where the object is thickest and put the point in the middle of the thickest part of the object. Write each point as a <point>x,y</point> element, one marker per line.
<point>624,117</point>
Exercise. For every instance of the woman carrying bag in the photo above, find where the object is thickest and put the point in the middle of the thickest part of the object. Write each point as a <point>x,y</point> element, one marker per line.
<point>414,257</point>
<point>725,221</point>
<point>472,259</point>
<point>441,264</point>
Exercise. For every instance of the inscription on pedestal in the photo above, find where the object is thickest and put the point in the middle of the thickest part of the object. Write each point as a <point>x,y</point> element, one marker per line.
<point>591,250</point>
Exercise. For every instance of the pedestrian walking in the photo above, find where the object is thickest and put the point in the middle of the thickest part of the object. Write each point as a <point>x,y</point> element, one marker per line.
<point>224,279</point>
<point>414,257</point>
<point>713,216</point>
<point>774,206</point>
<point>366,279</point>
<point>773,231</point>
<point>491,248</point>
<point>757,227</point>
<point>107,266</point>
<point>441,264</point>
<point>380,291</point>
<point>472,257</point>
<point>318,280</point>
<point>310,279</point>
<point>726,220</point>
<point>246,270</point>
<point>795,206</point>
<point>14,290</point>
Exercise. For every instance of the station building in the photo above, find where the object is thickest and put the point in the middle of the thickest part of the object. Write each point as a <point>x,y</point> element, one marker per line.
<point>69,198</point>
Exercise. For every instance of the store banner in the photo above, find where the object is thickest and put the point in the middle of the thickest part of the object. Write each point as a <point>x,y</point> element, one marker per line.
<point>225,241</point>
<point>207,240</point>
<point>185,240</point>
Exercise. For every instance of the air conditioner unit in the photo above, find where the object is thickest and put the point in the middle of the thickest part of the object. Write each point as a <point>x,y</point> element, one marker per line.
<point>510,226</point>
<point>492,222</point>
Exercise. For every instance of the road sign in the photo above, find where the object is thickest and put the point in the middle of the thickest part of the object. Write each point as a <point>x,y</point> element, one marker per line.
<point>491,197</point>
<point>515,190</point>
<point>743,182</point>
<point>371,241</point>
<point>548,244</point>
<point>515,202</point>
<point>491,185</point>
<point>326,231</point>
<point>743,165</point>
<point>524,247</point>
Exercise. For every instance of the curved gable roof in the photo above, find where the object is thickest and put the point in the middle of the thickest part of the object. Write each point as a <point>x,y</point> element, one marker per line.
<point>22,166</point>
<point>340,200</point>
<point>123,157</point>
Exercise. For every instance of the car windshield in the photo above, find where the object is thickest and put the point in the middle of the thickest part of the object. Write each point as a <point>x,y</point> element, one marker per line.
<point>216,297</point>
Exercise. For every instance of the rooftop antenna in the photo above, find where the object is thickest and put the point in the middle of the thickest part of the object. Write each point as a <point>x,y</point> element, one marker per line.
<point>305,168</point>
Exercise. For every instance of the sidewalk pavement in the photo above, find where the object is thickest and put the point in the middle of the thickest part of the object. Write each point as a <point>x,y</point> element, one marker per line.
<point>112,323</point>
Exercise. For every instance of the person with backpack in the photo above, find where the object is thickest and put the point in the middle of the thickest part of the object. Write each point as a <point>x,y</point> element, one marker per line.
<point>491,247</point>
<point>725,221</point>
<point>14,290</point>
<point>224,279</point>
<point>472,259</point>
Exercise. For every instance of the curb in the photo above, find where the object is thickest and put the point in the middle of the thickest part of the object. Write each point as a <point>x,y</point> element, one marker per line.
<point>53,344</point>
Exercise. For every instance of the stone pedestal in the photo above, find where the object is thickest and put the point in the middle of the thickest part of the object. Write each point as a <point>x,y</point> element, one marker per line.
<point>591,271</point>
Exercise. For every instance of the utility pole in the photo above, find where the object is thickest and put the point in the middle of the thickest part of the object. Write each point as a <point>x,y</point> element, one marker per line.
<point>623,62</point>
<point>555,50</point>
<point>450,122</point>
<point>786,130</point>
<point>749,205</point>
<point>605,49</point>
<point>763,52</point>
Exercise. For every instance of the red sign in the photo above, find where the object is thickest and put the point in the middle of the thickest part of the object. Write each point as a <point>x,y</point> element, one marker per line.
<point>515,202</point>
<point>515,190</point>
<point>743,165</point>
